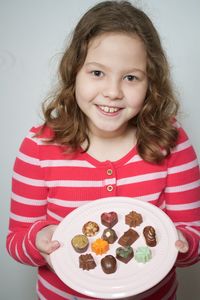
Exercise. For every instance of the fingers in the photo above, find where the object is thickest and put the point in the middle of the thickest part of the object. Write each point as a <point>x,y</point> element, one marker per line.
<point>182,246</point>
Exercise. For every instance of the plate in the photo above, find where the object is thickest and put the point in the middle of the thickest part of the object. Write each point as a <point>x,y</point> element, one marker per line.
<point>129,279</point>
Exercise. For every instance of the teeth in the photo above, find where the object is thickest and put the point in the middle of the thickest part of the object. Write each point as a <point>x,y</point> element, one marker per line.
<point>109,109</point>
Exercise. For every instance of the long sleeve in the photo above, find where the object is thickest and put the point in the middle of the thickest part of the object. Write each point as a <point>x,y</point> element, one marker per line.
<point>182,196</point>
<point>28,204</point>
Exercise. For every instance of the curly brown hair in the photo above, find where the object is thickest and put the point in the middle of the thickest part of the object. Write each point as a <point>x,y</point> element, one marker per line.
<point>156,133</point>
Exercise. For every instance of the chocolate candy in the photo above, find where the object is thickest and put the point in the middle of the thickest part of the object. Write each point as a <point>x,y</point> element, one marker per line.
<point>90,228</point>
<point>80,243</point>
<point>128,238</point>
<point>133,219</point>
<point>109,219</point>
<point>86,262</point>
<point>124,254</point>
<point>150,236</point>
<point>109,235</point>
<point>109,264</point>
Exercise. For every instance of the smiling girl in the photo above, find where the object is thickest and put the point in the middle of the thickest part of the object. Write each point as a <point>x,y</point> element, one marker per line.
<point>111,130</point>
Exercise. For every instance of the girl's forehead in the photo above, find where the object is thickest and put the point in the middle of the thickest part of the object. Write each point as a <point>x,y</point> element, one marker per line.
<point>117,48</point>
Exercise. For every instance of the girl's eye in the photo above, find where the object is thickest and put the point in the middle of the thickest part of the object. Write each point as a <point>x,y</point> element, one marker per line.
<point>97,73</point>
<point>131,77</point>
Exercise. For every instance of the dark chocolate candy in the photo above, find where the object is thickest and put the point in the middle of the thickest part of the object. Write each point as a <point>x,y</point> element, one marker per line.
<point>109,264</point>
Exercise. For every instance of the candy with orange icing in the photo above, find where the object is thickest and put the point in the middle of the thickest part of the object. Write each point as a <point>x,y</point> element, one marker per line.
<point>100,246</point>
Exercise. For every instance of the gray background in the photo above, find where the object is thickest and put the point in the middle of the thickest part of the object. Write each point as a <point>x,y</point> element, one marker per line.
<point>33,34</point>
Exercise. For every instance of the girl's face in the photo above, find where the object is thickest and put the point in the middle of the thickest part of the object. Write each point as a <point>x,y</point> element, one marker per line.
<point>111,85</point>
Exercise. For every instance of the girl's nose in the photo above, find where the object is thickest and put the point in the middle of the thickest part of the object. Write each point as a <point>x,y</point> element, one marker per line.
<point>113,90</point>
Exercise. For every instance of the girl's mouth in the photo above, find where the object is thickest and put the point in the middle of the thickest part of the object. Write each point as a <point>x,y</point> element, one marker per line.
<point>108,109</point>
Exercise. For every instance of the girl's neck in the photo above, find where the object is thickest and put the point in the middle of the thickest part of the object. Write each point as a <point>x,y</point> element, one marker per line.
<point>113,148</point>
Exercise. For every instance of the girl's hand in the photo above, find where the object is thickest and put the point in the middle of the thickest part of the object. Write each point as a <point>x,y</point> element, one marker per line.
<point>44,243</point>
<point>182,244</point>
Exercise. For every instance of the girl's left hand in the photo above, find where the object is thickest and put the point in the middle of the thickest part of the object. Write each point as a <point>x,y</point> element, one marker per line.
<point>182,244</point>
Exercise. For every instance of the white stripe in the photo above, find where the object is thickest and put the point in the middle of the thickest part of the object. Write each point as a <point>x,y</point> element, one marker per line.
<point>28,159</point>
<point>26,219</point>
<point>141,178</point>
<point>66,163</point>
<point>134,159</point>
<point>29,181</point>
<point>41,297</point>
<point>38,141</point>
<point>193,230</point>
<point>182,146</point>
<point>148,198</point>
<point>183,206</point>
<point>10,244</point>
<point>54,216</point>
<point>28,201</point>
<point>17,254</point>
<point>182,188</point>
<point>194,223</point>
<point>26,254</point>
<point>55,290</point>
<point>99,183</point>
<point>81,183</point>
<point>184,167</point>
<point>67,203</point>
<point>75,203</point>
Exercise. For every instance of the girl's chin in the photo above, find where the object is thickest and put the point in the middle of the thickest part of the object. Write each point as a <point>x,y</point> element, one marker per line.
<point>108,130</point>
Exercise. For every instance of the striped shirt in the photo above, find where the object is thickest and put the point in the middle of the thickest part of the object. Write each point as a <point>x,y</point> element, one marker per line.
<point>48,184</point>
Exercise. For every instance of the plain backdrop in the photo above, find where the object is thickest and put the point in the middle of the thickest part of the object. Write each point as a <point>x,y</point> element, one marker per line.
<point>33,34</point>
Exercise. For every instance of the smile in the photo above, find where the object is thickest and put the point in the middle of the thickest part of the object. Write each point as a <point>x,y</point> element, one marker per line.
<point>108,109</point>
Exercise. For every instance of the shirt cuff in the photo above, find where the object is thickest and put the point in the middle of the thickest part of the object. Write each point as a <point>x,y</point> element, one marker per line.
<point>31,239</point>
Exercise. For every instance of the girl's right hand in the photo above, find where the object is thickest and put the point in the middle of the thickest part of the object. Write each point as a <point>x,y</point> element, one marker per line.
<point>45,244</point>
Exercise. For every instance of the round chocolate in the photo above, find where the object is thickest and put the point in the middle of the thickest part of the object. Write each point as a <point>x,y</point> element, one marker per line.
<point>90,228</point>
<point>80,243</point>
<point>109,264</point>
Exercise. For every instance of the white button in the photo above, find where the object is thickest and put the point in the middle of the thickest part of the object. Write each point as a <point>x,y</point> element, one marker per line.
<point>109,171</point>
<point>109,188</point>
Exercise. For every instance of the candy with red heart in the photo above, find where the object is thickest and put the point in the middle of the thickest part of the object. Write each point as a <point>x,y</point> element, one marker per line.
<point>109,219</point>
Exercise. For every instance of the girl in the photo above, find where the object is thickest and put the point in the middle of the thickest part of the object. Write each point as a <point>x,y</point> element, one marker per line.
<point>109,131</point>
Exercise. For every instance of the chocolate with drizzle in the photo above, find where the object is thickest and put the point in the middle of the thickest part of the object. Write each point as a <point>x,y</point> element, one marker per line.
<point>150,236</point>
